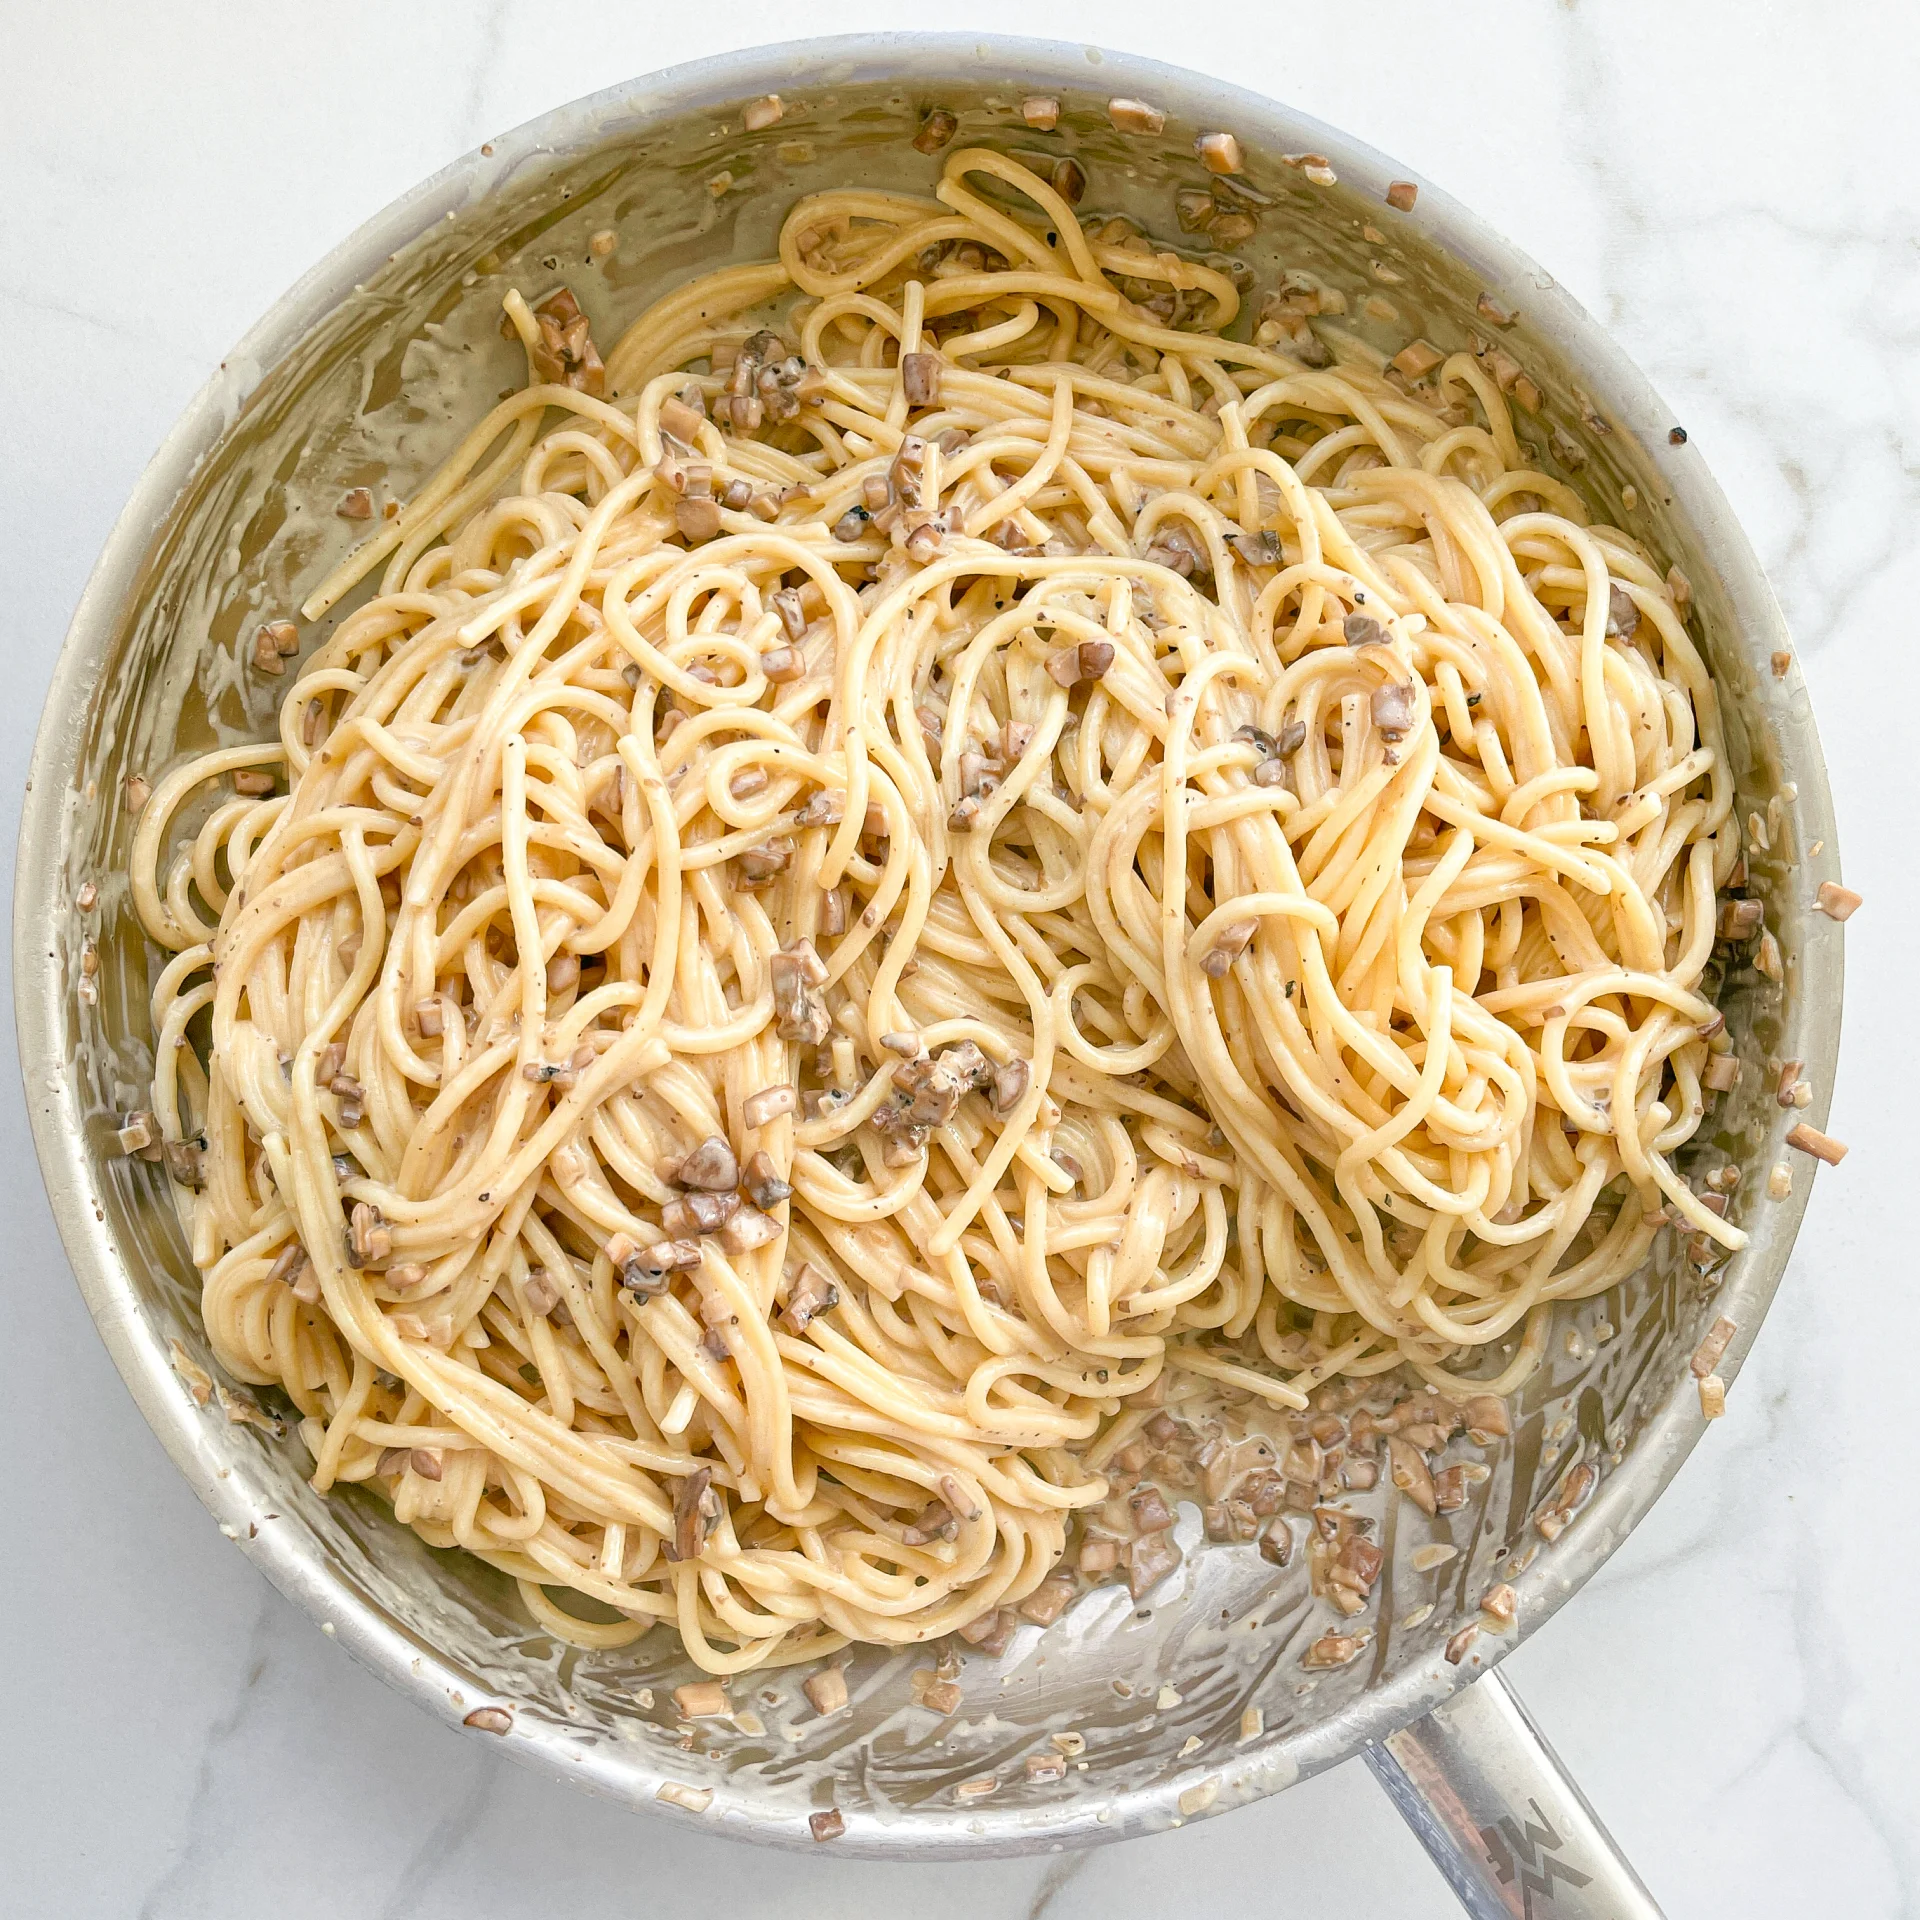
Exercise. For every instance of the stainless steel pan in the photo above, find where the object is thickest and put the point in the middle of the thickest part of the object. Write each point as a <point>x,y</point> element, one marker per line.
<point>365,372</point>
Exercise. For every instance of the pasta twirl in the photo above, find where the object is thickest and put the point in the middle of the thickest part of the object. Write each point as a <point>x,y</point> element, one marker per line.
<point>944,852</point>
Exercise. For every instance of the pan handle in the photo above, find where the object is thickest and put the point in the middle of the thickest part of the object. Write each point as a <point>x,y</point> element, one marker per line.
<point>1501,1817</point>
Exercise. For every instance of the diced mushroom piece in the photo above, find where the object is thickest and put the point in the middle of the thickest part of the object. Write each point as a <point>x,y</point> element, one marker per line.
<point>825,808</point>
<point>1150,1511</point>
<point>681,1793</point>
<point>1196,209</point>
<point>183,1163</point>
<point>976,780</point>
<point>273,643</point>
<point>925,542</point>
<point>828,1825</point>
<point>646,1271</point>
<point>490,1720</point>
<point>1263,1491</point>
<point>935,131</point>
<point>1490,310</point>
<point>1010,1083</point>
<point>782,665</point>
<point>139,1134</point>
<point>1099,1555</point>
<point>682,420</point>
<point>1713,1396</point>
<point>1706,1356</point>
<point>1417,359</point>
<point>1623,613</point>
<point>1040,111</point>
<point>1135,116</point>
<point>991,1632</point>
<point>1487,1418</point>
<point>1218,152</point>
<point>812,969</point>
<point>1410,1473</point>
<point>1228,945</point>
<point>967,1064</point>
<point>747,1229</point>
<point>1175,548</point>
<point>1741,919</point>
<point>1049,1600</point>
<point>1401,195</point>
<point>1088,661</point>
<point>1500,1603</point>
<point>288,1263</point>
<point>356,504</point>
<point>1358,1565</point>
<point>1450,1489</point>
<point>1043,1769</point>
<point>697,520</point>
<point>1256,549</point>
<point>1823,1146</point>
<point>799,1014</point>
<point>369,1241</point>
<point>1276,1541</point>
<point>1721,1073</point>
<point>711,1166</point>
<point>793,619</point>
<point>1766,956</point>
<point>763,1184</point>
<point>851,525</point>
<point>566,355</point>
<point>425,1462</point>
<point>1567,450</point>
<point>696,1511</point>
<point>1458,1646</point>
<point>920,378</point>
<point>1149,1561</point>
<point>761,866</point>
<point>1393,708</point>
<point>1575,1485</point>
<point>137,790</point>
<point>701,1700</point>
<point>935,1521</point>
<point>697,1213</point>
<point>1837,902</point>
<point>812,1294</point>
<point>826,1690</point>
<point>1363,630</point>
<point>1069,180</point>
<point>1334,1650</point>
<point>959,1501</point>
<point>762,113</point>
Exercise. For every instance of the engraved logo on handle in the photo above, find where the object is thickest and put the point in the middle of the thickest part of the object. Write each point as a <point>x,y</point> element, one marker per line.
<point>1529,1854</point>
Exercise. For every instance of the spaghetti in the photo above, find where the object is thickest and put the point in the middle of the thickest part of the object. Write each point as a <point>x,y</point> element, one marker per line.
<point>966,858</point>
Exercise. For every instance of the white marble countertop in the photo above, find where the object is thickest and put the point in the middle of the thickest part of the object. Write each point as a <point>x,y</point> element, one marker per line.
<point>1732,192</point>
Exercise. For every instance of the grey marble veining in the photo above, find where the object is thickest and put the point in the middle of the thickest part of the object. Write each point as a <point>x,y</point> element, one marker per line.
<point>1729,190</point>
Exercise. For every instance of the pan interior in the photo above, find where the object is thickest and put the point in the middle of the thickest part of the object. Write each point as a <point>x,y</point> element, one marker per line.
<point>377,391</point>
